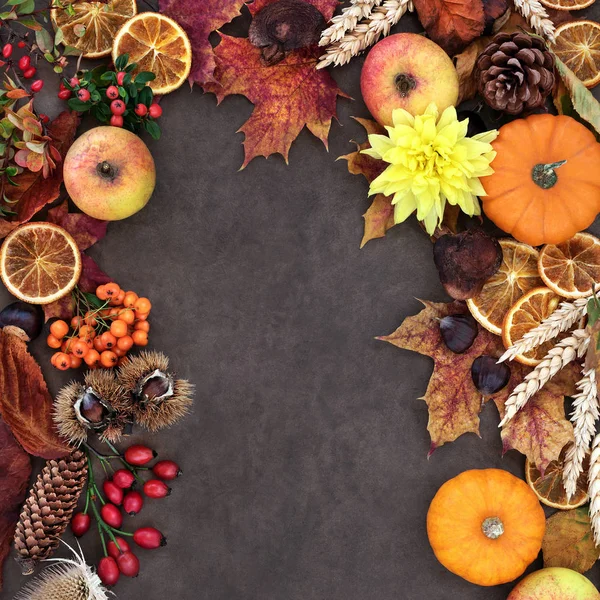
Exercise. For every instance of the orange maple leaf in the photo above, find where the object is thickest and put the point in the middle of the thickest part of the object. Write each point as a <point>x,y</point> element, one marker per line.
<point>287,96</point>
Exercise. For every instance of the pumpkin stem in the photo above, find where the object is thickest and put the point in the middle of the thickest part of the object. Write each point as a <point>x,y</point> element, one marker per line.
<point>492,528</point>
<point>545,175</point>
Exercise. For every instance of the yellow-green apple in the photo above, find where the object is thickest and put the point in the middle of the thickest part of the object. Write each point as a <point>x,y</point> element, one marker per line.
<point>109,173</point>
<point>407,71</point>
<point>555,583</point>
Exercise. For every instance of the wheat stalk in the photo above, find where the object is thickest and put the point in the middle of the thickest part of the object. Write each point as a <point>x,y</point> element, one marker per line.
<point>347,20</point>
<point>562,319</point>
<point>594,489</point>
<point>557,358</point>
<point>379,23</point>
<point>537,17</point>
<point>583,417</point>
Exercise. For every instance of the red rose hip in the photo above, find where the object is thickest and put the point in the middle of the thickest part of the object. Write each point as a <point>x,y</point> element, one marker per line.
<point>108,570</point>
<point>132,503</point>
<point>29,73</point>
<point>114,551</point>
<point>139,455</point>
<point>155,488</point>
<point>129,564</point>
<point>80,524</point>
<point>37,85</point>
<point>123,478</point>
<point>7,50</point>
<point>24,62</point>
<point>167,470</point>
<point>112,491</point>
<point>111,515</point>
<point>149,538</point>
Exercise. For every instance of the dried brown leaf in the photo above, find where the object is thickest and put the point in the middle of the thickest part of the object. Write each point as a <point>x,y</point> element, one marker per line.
<point>569,542</point>
<point>378,219</point>
<point>465,67</point>
<point>25,403</point>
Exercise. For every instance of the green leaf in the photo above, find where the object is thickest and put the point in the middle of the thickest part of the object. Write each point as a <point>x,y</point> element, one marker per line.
<point>11,171</point>
<point>152,128</point>
<point>44,40</point>
<point>593,310</point>
<point>78,105</point>
<point>58,37</point>
<point>58,69</point>
<point>79,30</point>
<point>583,100</point>
<point>121,62</point>
<point>26,7</point>
<point>145,77</point>
<point>15,2</point>
<point>96,97</point>
<point>127,79</point>
<point>7,16</point>
<point>108,76</point>
<point>30,23</point>
<point>93,300</point>
<point>104,110</point>
<point>133,92</point>
<point>49,57</point>
<point>146,96</point>
<point>70,10</point>
<point>130,67</point>
<point>71,51</point>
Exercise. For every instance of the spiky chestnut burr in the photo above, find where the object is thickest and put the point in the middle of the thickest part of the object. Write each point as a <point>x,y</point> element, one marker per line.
<point>158,399</point>
<point>100,405</point>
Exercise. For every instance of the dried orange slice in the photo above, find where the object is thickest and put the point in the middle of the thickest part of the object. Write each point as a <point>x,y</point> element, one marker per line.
<point>567,4</point>
<point>39,263</point>
<point>549,487</point>
<point>517,275</point>
<point>528,312</point>
<point>578,46</point>
<point>91,26</point>
<point>157,44</point>
<point>572,268</point>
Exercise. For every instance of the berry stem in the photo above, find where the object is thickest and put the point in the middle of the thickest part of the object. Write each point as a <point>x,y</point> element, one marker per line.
<point>124,462</point>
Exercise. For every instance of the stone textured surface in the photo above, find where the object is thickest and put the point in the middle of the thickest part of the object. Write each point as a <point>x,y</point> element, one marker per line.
<point>305,469</point>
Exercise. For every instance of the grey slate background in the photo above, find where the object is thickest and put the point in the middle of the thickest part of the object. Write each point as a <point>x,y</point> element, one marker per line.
<point>305,469</point>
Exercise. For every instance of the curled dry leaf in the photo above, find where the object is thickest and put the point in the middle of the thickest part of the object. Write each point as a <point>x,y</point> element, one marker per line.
<point>492,10</point>
<point>453,24</point>
<point>568,541</point>
<point>25,403</point>
<point>454,403</point>
<point>199,18</point>
<point>286,97</point>
<point>15,470</point>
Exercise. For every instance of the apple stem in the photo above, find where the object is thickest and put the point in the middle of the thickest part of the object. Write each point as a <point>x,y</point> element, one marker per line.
<point>106,170</point>
<point>405,84</point>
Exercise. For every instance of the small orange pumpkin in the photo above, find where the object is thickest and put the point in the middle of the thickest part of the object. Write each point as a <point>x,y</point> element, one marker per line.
<point>486,526</point>
<point>546,182</point>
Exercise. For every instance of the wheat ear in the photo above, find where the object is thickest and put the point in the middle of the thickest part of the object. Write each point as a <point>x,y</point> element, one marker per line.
<point>537,17</point>
<point>583,417</point>
<point>558,357</point>
<point>381,19</point>
<point>562,319</point>
<point>594,489</point>
<point>347,20</point>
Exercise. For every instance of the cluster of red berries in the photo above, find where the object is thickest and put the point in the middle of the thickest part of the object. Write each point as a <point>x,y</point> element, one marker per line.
<point>118,494</point>
<point>104,333</point>
<point>28,71</point>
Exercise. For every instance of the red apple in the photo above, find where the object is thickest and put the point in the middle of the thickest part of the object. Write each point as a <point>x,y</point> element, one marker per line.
<point>407,71</point>
<point>555,583</point>
<point>109,173</point>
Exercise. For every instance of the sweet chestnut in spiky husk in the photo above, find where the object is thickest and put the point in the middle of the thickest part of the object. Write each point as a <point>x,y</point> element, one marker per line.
<point>283,26</point>
<point>465,261</point>
<point>158,399</point>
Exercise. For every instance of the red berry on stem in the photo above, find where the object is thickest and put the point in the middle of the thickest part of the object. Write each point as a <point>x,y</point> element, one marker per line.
<point>108,570</point>
<point>129,564</point>
<point>112,92</point>
<point>167,470</point>
<point>133,503</point>
<point>114,551</point>
<point>83,94</point>
<point>7,50</point>
<point>37,85</point>
<point>29,73</point>
<point>111,515</point>
<point>113,492</point>
<point>155,488</point>
<point>155,111</point>
<point>74,82</point>
<point>139,455</point>
<point>44,118</point>
<point>24,62</point>
<point>120,77</point>
<point>80,523</point>
<point>116,121</point>
<point>64,94</point>
<point>149,538</point>
<point>21,44</point>
<point>117,107</point>
<point>141,110</point>
<point>123,478</point>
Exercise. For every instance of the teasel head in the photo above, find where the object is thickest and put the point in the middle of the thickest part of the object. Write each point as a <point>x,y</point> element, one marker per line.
<point>68,579</point>
<point>98,405</point>
<point>158,398</point>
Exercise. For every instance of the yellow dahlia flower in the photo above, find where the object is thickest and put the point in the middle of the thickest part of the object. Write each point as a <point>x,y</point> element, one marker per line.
<point>431,161</point>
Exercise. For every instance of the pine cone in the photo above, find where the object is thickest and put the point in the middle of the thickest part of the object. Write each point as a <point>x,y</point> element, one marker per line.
<point>515,73</point>
<point>48,508</point>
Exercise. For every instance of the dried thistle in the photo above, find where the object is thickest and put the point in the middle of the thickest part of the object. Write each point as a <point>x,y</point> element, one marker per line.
<point>537,17</point>
<point>158,398</point>
<point>100,404</point>
<point>368,31</point>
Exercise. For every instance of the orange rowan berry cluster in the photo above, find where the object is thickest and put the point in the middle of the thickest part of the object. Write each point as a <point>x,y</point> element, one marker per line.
<point>106,326</point>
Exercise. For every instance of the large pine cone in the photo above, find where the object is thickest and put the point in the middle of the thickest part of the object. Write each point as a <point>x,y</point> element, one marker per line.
<point>48,508</point>
<point>515,73</point>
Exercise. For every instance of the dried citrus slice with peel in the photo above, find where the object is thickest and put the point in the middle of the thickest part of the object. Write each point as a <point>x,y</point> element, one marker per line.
<point>39,263</point>
<point>572,268</point>
<point>159,45</point>
<point>528,312</point>
<point>91,26</point>
<point>567,4</point>
<point>517,275</point>
<point>578,46</point>
<point>549,487</point>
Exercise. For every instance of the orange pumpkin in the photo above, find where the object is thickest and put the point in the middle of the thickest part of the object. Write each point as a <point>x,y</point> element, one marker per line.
<point>546,182</point>
<point>486,526</point>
